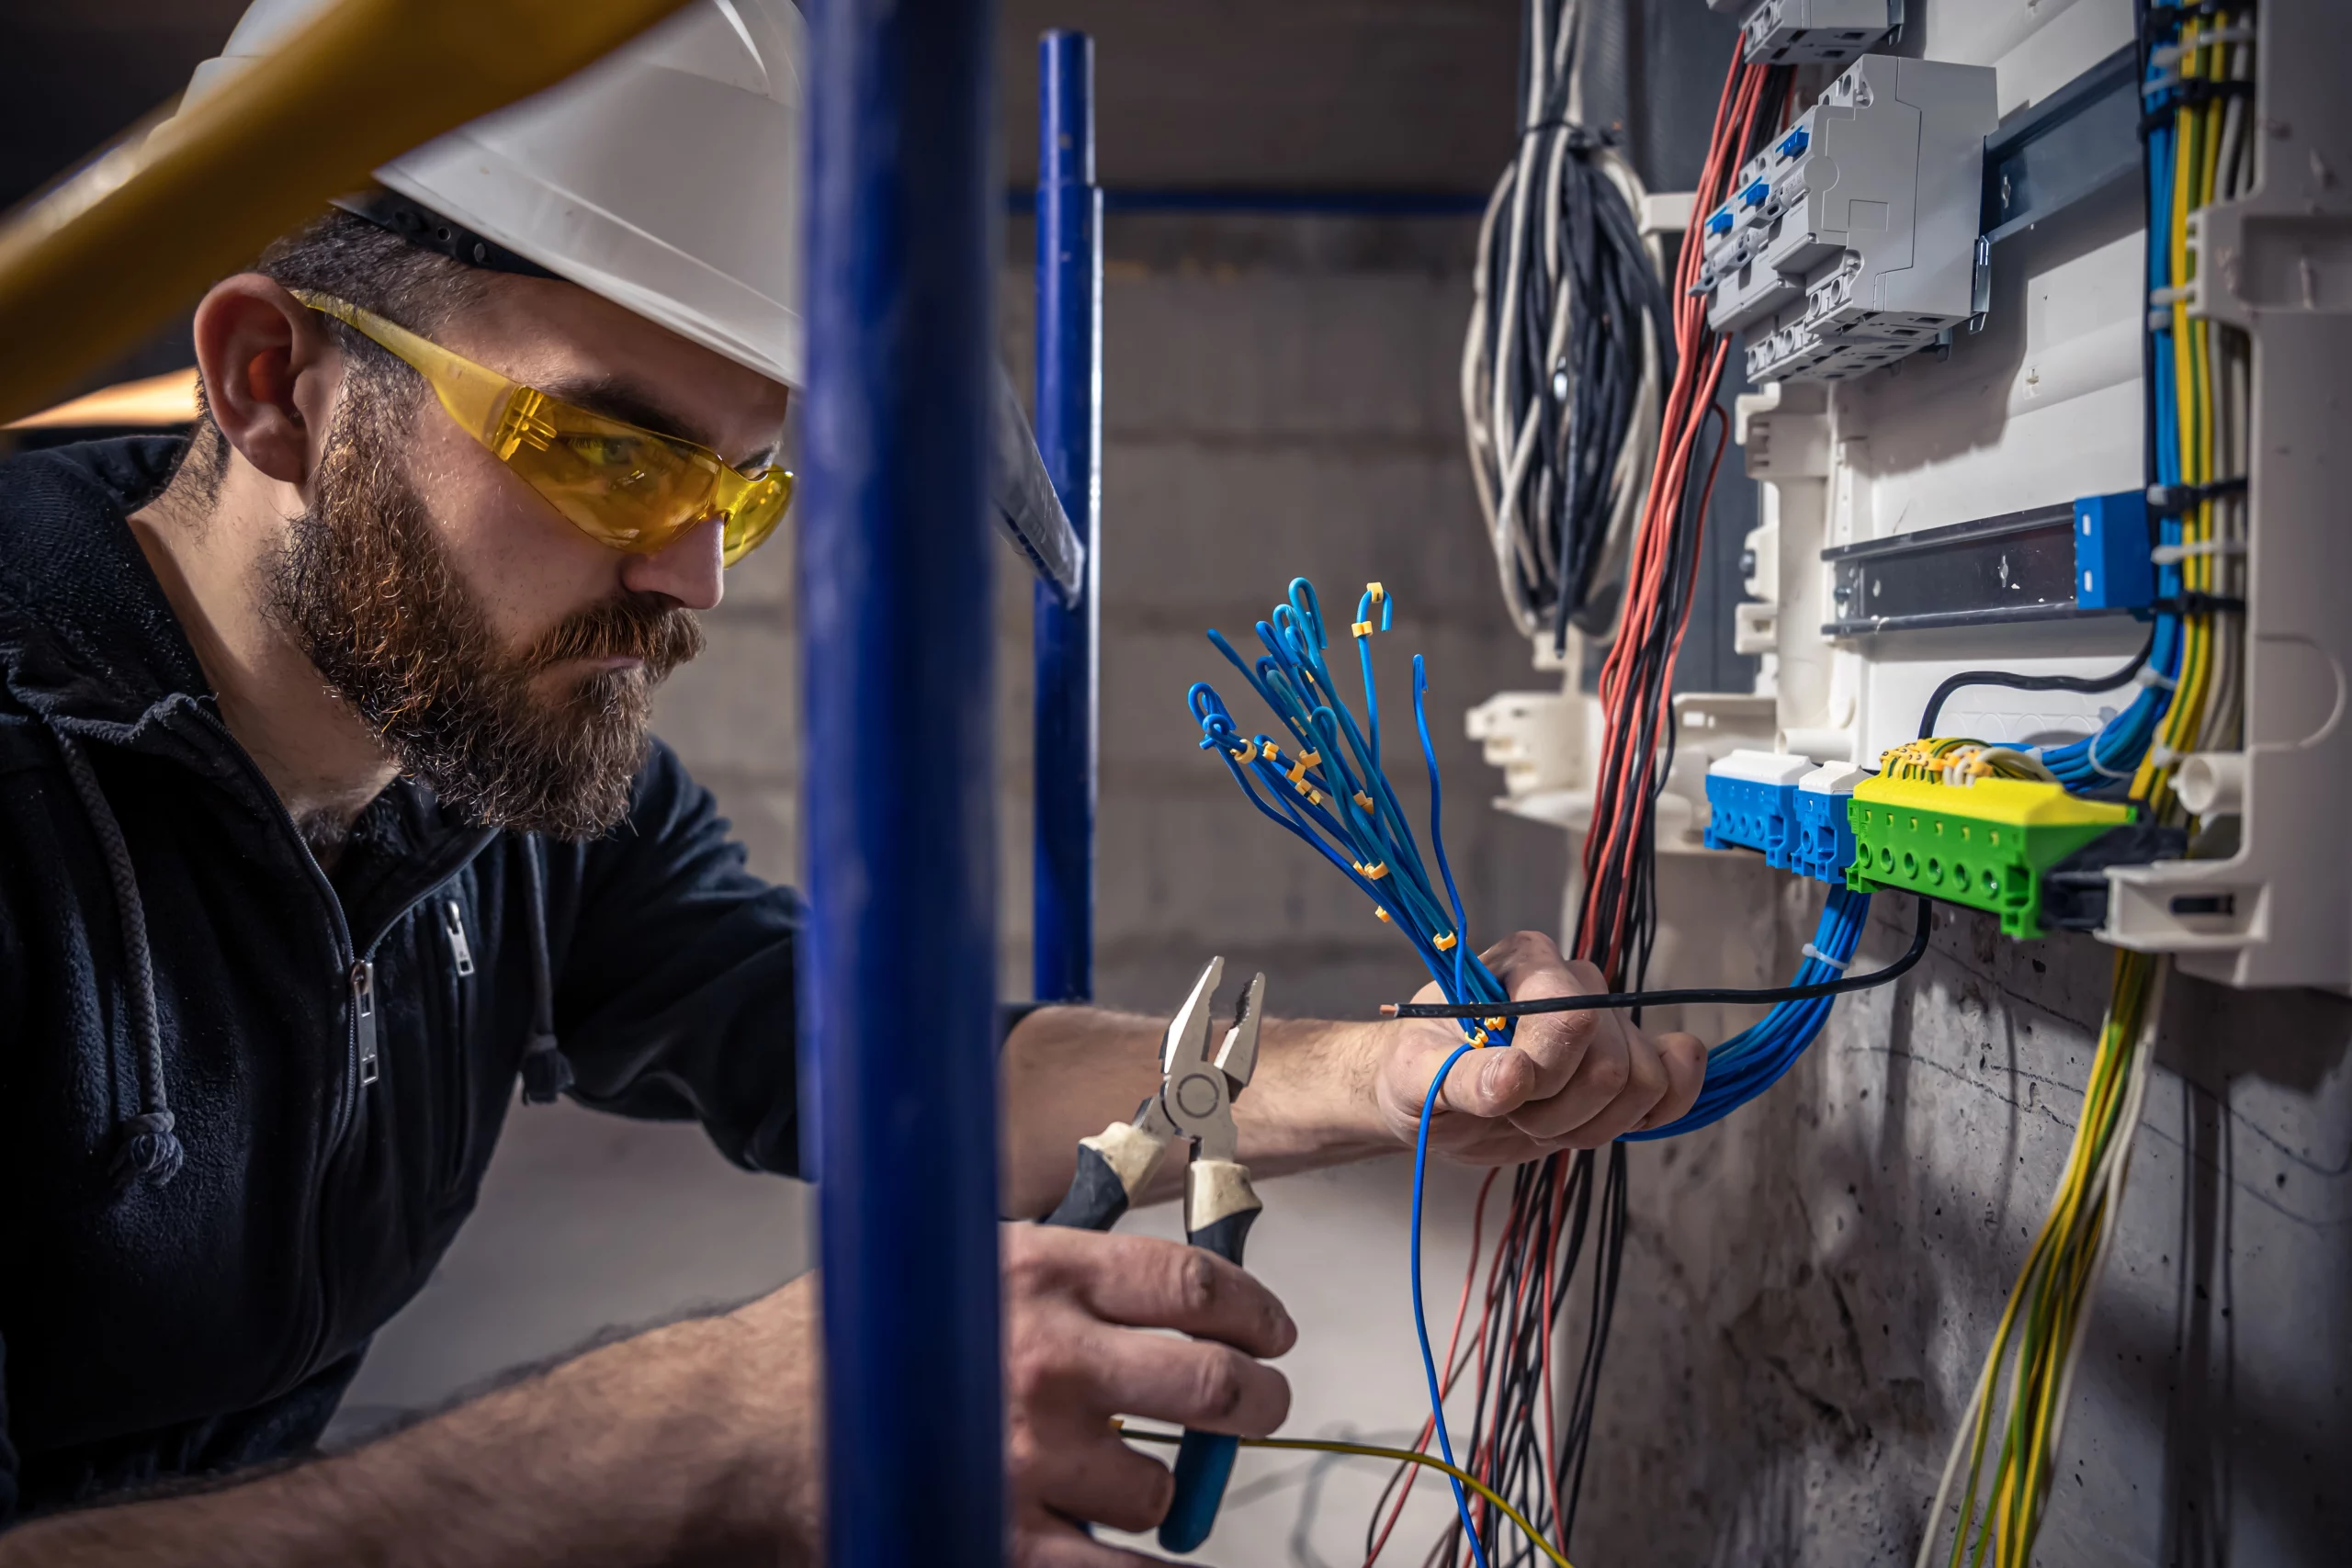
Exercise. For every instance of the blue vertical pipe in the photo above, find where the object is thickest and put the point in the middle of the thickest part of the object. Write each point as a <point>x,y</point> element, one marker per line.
<point>1069,436</point>
<point>897,992</point>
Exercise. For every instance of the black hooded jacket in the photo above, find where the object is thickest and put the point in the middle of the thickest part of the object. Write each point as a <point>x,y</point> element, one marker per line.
<point>244,1104</point>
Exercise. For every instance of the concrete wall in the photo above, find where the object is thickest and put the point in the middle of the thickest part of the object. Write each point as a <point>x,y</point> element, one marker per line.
<point>1810,1285</point>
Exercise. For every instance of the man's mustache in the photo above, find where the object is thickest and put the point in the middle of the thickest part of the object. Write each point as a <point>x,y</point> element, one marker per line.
<point>647,628</point>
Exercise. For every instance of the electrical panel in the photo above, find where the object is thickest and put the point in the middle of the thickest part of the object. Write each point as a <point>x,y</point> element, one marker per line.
<point>1817,32</point>
<point>1849,242</point>
<point>1985,508</point>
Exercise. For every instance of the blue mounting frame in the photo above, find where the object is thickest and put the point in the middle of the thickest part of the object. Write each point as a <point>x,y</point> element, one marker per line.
<point>1067,637</point>
<point>899,961</point>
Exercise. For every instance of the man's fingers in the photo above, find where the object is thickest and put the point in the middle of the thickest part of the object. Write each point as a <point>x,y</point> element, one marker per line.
<point>1090,1474</point>
<point>1045,1541</point>
<point>1684,1056</point>
<point>1482,1083</point>
<point>1190,1383</point>
<point>1645,1086</point>
<point>1150,1283</point>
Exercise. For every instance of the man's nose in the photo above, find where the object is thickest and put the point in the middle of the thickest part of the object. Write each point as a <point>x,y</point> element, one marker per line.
<point>687,569</point>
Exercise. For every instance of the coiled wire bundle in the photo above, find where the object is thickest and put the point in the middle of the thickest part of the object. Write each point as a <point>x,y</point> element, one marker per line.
<point>1568,348</point>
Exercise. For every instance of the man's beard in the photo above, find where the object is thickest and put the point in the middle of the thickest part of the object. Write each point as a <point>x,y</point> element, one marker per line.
<point>367,590</point>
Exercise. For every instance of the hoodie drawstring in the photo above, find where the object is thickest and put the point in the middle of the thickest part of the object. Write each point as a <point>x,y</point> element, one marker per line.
<point>149,1151</point>
<point>547,1072</point>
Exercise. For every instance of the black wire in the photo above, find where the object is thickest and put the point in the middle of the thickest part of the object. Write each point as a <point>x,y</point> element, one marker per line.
<point>1616,1000</point>
<point>2031,683</point>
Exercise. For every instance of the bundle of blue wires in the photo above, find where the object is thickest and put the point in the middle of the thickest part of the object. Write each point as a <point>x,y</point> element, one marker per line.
<point>1329,790</point>
<point>1753,1060</point>
<point>2108,760</point>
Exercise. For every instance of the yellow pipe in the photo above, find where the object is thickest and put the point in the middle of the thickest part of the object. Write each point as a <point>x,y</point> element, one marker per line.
<point>89,270</point>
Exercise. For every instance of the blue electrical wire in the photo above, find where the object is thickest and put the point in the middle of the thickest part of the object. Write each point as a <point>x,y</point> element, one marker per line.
<point>1420,1320</point>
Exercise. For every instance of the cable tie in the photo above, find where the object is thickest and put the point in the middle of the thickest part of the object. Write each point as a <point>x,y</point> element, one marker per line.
<point>1820,957</point>
<point>1443,944</point>
<point>2192,93</point>
<point>2172,501</point>
<point>2163,756</point>
<point>1361,628</point>
<point>2196,604</point>
<point>2172,296</point>
<point>2091,753</point>
<point>2172,554</point>
<point>2149,675</point>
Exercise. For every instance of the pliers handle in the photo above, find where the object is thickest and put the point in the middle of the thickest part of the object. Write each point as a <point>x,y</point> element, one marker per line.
<point>1194,1105</point>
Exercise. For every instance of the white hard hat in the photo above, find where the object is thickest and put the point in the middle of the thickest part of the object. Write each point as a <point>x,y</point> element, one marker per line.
<point>665,177</point>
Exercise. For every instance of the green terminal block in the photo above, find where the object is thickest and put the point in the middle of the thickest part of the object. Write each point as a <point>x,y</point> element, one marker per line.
<point>1983,844</point>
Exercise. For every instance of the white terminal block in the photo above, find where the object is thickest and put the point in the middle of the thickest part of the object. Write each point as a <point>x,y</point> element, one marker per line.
<point>1832,778</point>
<point>1775,768</point>
<point>1849,242</point>
<point>1815,32</point>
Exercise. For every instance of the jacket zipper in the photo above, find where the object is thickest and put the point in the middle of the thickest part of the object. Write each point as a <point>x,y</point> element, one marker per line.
<point>453,920</point>
<point>363,1020</point>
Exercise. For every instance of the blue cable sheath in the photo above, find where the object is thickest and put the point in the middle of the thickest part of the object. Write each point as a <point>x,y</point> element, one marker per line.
<point>1420,1319</point>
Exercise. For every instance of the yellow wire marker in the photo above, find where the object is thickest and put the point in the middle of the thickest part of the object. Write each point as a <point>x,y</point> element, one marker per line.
<point>1361,628</point>
<point>1443,944</point>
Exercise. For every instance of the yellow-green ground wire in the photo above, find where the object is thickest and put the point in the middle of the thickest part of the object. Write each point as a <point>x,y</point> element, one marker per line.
<point>1374,1450</point>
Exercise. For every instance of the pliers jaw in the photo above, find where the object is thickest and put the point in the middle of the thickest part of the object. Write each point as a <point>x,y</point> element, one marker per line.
<point>1197,1090</point>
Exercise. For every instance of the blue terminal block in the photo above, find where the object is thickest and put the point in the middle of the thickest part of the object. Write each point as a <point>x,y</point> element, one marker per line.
<point>1751,803</point>
<point>2112,540</point>
<point>1825,837</point>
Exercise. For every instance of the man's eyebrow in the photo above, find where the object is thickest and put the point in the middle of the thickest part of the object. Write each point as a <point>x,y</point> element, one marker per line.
<point>624,401</point>
<point>616,399</point>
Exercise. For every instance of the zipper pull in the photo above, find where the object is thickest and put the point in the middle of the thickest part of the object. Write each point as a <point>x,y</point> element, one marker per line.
<point>453,920</point>
<point>363,1018</point>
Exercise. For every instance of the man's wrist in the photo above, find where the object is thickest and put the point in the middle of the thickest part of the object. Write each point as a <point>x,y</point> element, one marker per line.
<point>1315,1100</point>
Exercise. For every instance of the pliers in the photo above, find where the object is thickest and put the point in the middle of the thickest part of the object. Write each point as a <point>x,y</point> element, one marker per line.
<point>1194,1104</point>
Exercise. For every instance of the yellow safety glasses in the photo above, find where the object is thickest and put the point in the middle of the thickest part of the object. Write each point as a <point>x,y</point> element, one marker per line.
<point>622,485</point>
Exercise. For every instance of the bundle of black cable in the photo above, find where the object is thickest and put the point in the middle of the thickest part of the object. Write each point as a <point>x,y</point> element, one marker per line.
<point>1567,350</point>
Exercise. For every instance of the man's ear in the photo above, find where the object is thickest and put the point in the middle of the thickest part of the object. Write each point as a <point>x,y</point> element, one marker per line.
<point>271,372</point>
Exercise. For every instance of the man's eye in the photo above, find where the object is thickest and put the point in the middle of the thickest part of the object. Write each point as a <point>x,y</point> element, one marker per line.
<point>609,451</point>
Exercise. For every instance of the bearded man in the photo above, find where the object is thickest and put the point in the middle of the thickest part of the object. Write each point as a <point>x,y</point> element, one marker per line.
<point>329,813</point>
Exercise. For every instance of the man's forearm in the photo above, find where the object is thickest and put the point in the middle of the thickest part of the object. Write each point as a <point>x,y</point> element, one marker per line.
<point>689,1443</point>
<point>1070,1071</point>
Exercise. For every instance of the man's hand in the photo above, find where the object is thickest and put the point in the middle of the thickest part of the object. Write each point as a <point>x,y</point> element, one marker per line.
<point>1077,1309</point>
<point>1569,1080</point>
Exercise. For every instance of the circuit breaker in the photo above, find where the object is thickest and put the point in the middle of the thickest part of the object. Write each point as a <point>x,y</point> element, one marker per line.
<point>1815,32</point>
<point>1849,242</point>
